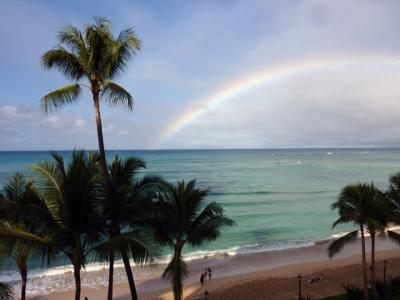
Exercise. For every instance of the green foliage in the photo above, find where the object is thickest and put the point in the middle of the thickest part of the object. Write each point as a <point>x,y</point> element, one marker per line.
<point>20,225</point>
<point>95,55</point>
<point>176,272</point>
<point>392,291</point>
<point>184,217</point>
<point>61,97</point>
<point>6,292</point>
<point>117,95</point>
<point>360,204</point>
<point>125,211</point>
<point>71,194</point>
<point>395,282</point>
<point>353,292</point>
<point>337,245</point>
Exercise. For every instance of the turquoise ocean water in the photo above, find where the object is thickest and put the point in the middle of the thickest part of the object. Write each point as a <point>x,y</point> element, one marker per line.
<point>278,198</point>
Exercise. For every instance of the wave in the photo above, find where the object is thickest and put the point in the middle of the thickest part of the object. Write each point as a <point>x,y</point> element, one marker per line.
<point>45,281</point>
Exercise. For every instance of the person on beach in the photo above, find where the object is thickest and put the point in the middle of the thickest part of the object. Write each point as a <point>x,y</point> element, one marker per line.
<point>205,273</point>
<point>205,295</point>
<point>202,279</point>
<point>209,273</point>
<point>316,279</point>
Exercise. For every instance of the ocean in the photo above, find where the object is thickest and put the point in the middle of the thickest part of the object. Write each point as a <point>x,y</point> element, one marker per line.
<point>279,198</point>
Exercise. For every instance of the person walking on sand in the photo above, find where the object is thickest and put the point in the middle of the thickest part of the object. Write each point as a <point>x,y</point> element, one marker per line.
<point>202,279</point>
<point>205,295</point>
<point>209,273</point>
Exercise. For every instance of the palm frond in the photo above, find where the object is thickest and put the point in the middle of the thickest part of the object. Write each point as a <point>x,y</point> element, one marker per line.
<point>124,171</point>
<point>6,292</point>
<point>137,244</point>
<point>103,24</point>
<point>61,97</point>
<point>123,49</point>
<point>73,38</point>
<point>98,41</point>
<point>394,236</point>
<point>65,62</point>
<point>176,272</point>
<point>341,220</point>
<point>13,235</point>
<point>208,225</point>
<point>15,188</point>
<point>116,95</point>
<point>336,246</point>
<point>49,186</point>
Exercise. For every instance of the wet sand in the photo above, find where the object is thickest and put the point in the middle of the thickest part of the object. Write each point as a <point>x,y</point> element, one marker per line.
<point>264,275</point>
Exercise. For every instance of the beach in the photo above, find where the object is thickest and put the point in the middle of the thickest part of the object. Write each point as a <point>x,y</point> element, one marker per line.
<point>279,199</point>
<point>263,275</point>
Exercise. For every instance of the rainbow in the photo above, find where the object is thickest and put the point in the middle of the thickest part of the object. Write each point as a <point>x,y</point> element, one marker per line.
<point>273,74</point>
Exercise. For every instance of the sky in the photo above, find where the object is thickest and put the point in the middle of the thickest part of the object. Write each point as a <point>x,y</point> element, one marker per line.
<point>213,74</point>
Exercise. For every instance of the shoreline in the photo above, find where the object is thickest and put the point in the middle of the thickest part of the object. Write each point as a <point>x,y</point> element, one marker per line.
<point>229,272</point>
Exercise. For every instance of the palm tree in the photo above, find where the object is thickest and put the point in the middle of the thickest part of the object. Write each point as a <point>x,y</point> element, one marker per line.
<point>18,196</point>
<point>393,195</point>
<point>70,194</point>
<point>124,215</point>
<point>183,218</point>
<point>97,56</point>
<point>362,205</point>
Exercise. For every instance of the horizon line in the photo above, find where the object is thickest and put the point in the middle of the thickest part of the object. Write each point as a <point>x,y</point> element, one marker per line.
<point>214,149</point>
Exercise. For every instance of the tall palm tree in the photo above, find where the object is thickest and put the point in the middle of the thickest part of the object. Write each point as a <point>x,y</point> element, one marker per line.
<point>124,215</point>
<point>17,197</point>
<point>70,194</point>
<point>97,57</point>
<point>362,205</point>
<point>183,217</point>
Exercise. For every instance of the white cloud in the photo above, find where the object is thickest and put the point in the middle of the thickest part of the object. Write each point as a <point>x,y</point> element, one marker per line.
<point>327,108</point>
<point>26,127</point>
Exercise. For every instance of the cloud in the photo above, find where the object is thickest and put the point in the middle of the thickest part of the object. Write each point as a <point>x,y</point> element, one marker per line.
<point>190,50</point>
<point>336,108</point>
<point>26,127</point>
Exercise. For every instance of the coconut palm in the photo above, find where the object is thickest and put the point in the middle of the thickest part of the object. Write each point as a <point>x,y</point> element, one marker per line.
<point>393,195</point>
<point>70,194</point>
<point>124,215</point>
<point>362,205</point>
<point>94,56</point>
<point>17,197</point>
<point>183,217</point>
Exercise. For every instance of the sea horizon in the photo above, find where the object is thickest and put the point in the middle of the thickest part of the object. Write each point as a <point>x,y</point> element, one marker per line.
<point>207,149</point>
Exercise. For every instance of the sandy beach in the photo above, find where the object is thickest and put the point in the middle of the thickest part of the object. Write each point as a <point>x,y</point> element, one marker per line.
<point>264,275</point>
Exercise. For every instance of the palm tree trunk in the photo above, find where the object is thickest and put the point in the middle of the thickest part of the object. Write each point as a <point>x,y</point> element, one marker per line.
<point>77,277</point>
<point>23,270</point>
<point>110,277</point>
<point>364,263</point>
<point>99,126</point>
<point>373,280</point>
<point>177,285</point>
<point>129,275</point>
